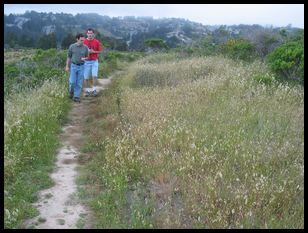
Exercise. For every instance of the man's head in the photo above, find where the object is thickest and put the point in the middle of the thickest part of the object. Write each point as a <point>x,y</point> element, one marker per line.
<point>80,38</point>
<point>90,33</point>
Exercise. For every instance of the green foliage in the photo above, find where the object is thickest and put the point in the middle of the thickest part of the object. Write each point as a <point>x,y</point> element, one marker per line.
<point>239,49</point>
<point>26,41</point>
<point>298,36</point>
<point>47,41</point>
<point>283,32</point>
<point>112,43</point>
<point>11,38</point>
<point>156,43</point>
<point>113,55</point>
<point>118,29</point>
<point>287,60</point>
<point>11,70</point>
<point>184,51</point>
<point>31,72</point>
<point>51,57</point>
<point>68,40</point>
<point>264,78</point>
<point>207,47</point>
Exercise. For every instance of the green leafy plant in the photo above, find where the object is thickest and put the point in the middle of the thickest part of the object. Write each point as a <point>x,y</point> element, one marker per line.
<point>264,78</point>
<point>287,60</point>
<point>239,49</point>
<point>156,43</point>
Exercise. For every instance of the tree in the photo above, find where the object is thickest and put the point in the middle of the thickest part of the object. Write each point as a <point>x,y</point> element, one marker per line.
<point>284,34</point>
<point>239,49</point>
<point>265,41</point>
<point>26,41</point>
<point>48,41</point>
<point>287,60</point>
<point>68,40</point>
<point>187,29</point>
<point>221,35</point>
<point>11,38</point>
<point>207,46</point>
<point>298,36</point>
<point>156,44</point>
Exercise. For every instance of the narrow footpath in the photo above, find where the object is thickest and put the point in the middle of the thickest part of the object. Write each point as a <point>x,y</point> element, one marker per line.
<point>59,206</point>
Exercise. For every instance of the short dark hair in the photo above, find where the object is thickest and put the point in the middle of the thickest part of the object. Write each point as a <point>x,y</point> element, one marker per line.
<point>90,29</point>
<point>79,35</point>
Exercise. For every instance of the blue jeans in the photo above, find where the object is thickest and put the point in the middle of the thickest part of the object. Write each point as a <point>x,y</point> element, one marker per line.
<point>76,79</point>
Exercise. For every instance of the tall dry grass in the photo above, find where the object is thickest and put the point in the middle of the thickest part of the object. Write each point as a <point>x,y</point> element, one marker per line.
<point>201,144</point>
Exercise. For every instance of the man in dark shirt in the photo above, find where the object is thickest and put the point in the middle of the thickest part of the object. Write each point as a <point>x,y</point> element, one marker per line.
<point>77,53</point>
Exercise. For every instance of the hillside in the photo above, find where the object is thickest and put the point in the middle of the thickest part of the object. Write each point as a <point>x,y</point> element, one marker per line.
<point>176,141</point>
<point>196,143</point>
<point>126,32</point>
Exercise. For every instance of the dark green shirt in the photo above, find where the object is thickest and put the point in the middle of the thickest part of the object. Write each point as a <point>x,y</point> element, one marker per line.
<point>76,52</point>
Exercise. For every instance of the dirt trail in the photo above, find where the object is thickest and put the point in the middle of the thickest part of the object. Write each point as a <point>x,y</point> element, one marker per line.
<point>59,206</point>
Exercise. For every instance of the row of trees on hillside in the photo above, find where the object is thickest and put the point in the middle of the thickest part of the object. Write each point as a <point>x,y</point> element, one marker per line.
<point>50,41</point>
<point>24,41</point>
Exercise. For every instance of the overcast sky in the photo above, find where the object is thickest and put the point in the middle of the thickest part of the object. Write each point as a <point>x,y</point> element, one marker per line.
<point>208,14</point>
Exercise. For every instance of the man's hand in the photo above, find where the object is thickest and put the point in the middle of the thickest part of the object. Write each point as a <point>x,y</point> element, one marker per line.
<point>67,68</point>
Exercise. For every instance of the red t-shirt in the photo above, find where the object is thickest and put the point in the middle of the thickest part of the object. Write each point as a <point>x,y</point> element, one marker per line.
<point>95,45</point>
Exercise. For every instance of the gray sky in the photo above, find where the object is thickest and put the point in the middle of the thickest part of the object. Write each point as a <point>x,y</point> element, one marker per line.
<point>207,14</point>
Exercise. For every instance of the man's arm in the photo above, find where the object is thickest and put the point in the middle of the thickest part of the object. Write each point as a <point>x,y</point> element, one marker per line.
<point>69,58</point>
<point>96,51</point>
<point>68,64</point>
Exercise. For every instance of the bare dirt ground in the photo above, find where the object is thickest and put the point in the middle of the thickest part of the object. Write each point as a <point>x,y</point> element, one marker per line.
<point>59,206</point>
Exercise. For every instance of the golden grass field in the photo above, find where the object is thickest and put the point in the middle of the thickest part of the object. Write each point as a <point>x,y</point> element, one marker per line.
<point>199,143</point>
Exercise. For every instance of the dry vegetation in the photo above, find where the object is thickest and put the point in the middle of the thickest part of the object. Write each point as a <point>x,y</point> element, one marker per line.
<point>197,143</point>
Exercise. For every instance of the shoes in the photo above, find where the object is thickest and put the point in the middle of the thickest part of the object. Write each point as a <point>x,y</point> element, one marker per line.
<point>86,94</point>
<point>71,95</point>
<point>77,99</point>
<point>94,93</point>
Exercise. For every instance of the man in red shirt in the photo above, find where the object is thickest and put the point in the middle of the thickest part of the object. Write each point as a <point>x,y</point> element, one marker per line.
<point>91,64</point>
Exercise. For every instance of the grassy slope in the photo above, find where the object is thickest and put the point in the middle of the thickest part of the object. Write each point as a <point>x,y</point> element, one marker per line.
<point>174,143</point>
<point>196,143</point>
<point>32,120</point>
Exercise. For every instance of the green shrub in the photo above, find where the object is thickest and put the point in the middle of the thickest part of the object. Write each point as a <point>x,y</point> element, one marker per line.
<point>51,57</point>
<point>207,47</point>
<point>27,73</point>
<point>156,43</point>
<point>112,55</point>
<point>11,70</point>
<point>239,49</point>
<point>287,60</point>
<point>264,78</point>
